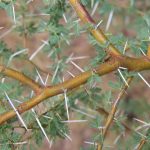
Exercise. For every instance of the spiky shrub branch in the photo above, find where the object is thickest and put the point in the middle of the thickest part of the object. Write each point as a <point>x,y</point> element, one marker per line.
<point>113,62</point>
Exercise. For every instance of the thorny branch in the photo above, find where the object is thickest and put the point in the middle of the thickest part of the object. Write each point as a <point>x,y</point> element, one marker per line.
<point>115,61</point>
<point>21,77</point>
<point>143,141</point>
<point>112,112</point>
<point>58,89</point>
<point>95,31</point>
<point>100,37</point>
<point>133,64</point>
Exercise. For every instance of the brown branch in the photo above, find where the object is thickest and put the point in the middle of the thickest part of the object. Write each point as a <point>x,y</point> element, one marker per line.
<point>97,33</point>
<point>103,112</point>
<point>20,77</point>
<point>100,37</point>
<point>116,60</point>
<point>58,89</point>
<point>143,141</point>
<point>132,64</point>
<point>111,115</point>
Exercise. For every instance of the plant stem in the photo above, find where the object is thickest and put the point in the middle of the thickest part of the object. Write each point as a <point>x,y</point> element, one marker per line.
<point>111,115</point>
<point>20,77</point>
<point>96,32</point>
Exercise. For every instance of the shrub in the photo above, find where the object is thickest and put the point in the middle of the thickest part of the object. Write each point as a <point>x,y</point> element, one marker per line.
<point>39,102</point>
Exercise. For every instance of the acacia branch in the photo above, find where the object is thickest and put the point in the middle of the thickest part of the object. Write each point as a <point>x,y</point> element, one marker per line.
<point>58,89</point>
<point>103,112</point>
<point>111,115</point>
<point>127,62</point>
<point>116,60</point>
<point>132,64</point>
<point>20,77</point>
<point>143,140</point>
<point>96,32</point>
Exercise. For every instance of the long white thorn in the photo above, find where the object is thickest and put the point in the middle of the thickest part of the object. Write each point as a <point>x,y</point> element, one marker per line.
<point>38,14</point>
<point>16,111</point>
<point>90,143</point>
<point>13,12</point>
<point>17,143</point>
<point>140,121</point>
<point>84,113</point>
<point>38,50</point>
<point>125,47</point>
<point>50,54</point>
<point>67,41</point>
<point>71,74</point>
<point>17,53</point>
<point>123,68</point>
<point>77,21</point>
<point>7,32</point>
<point>70,56</point>
<point>92,3</point>
<point>117,138</point>
<point>74,121</point>
<point>45,83</point>
<point>67,136</point>
<point>40,125</point>
<point>123,77</point>
<point>42,129</point>
<point>109,19</point>
<point>79,58</point>
<point>47,117</point>
<point>3,80</point>
<point>40,77</point>
<point>66,103</point>
<point>143,126</point>
<point>79,68</point>
<point>38,122</point>
<point>99,23</point>
<point>64,16</point>
<point>144,80</point>
<point>56,70</point>
<point>142,52</point>
<point>46,42</point>
<point>116,101</point>
<point>94,8</point>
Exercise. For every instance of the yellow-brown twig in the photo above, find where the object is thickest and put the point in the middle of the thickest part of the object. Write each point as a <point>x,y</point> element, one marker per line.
<point>96,32</point>
<point>112,112</point>
<point>115,60</point>
<point>143,141</point>
<point>132,64</point>
<point>103,112</point>
<point>20,77</point>
<point>58,89</point>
